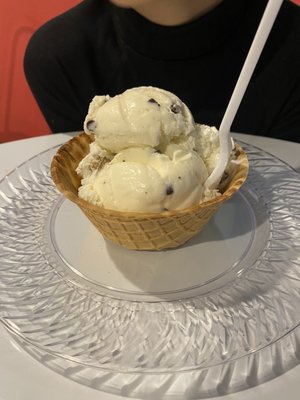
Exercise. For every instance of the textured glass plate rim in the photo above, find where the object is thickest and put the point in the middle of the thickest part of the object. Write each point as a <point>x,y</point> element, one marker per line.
<point>11,327</point>
<point>262,366</point>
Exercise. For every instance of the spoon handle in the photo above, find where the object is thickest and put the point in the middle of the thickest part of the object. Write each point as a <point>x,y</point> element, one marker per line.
<point>256,48</point>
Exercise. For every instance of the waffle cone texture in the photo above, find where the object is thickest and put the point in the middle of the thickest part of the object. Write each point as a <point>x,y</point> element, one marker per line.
<point>138,231</point>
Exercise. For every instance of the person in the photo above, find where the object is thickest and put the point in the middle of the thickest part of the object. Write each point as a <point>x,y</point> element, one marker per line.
<point>193,48</point>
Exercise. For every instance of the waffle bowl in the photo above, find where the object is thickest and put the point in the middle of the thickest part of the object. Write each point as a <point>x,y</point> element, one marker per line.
<point>139,231</point>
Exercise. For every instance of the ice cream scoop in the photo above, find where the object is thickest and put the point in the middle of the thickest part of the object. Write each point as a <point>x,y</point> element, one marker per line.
<point>144,180</point>
<point>142,116</point>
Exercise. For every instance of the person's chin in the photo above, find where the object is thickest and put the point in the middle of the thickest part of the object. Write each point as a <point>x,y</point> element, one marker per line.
<point>128,3</point>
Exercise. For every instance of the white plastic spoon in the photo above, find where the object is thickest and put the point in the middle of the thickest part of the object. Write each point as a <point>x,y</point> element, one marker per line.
<point>257,45</point>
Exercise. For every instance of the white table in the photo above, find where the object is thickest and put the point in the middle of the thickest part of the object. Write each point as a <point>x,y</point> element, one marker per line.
<point>23,378</point>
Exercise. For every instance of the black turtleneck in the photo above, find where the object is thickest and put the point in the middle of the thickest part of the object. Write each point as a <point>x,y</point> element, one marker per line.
<point>97,48</point>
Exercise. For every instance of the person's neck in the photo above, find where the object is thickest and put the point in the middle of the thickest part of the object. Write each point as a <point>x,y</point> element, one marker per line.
<point>175,12</point>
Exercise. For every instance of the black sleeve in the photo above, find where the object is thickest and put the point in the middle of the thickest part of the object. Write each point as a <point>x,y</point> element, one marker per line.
<point>60,68</point>
<point>51,89</point>
<point>49,82</point>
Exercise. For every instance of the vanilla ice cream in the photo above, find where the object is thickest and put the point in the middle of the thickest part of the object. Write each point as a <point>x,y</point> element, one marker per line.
<point>143,116</point>
<point>142,179</point>
<point>156,157</point>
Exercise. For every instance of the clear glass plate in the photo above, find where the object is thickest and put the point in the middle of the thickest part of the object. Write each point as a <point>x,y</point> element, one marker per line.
<point>196,321</point>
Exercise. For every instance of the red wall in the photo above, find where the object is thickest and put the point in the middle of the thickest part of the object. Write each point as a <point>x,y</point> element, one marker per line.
<point>19,114</point>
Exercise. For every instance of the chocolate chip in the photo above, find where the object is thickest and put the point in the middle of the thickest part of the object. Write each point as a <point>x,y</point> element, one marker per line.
<point>224,177</point>
<point>169,190</point>
<point>123,160</point>
<point>153,101</point>
<point>179,177</point>
<point>175,108</point>
<point>165,209</point>
<point>91,125</point>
